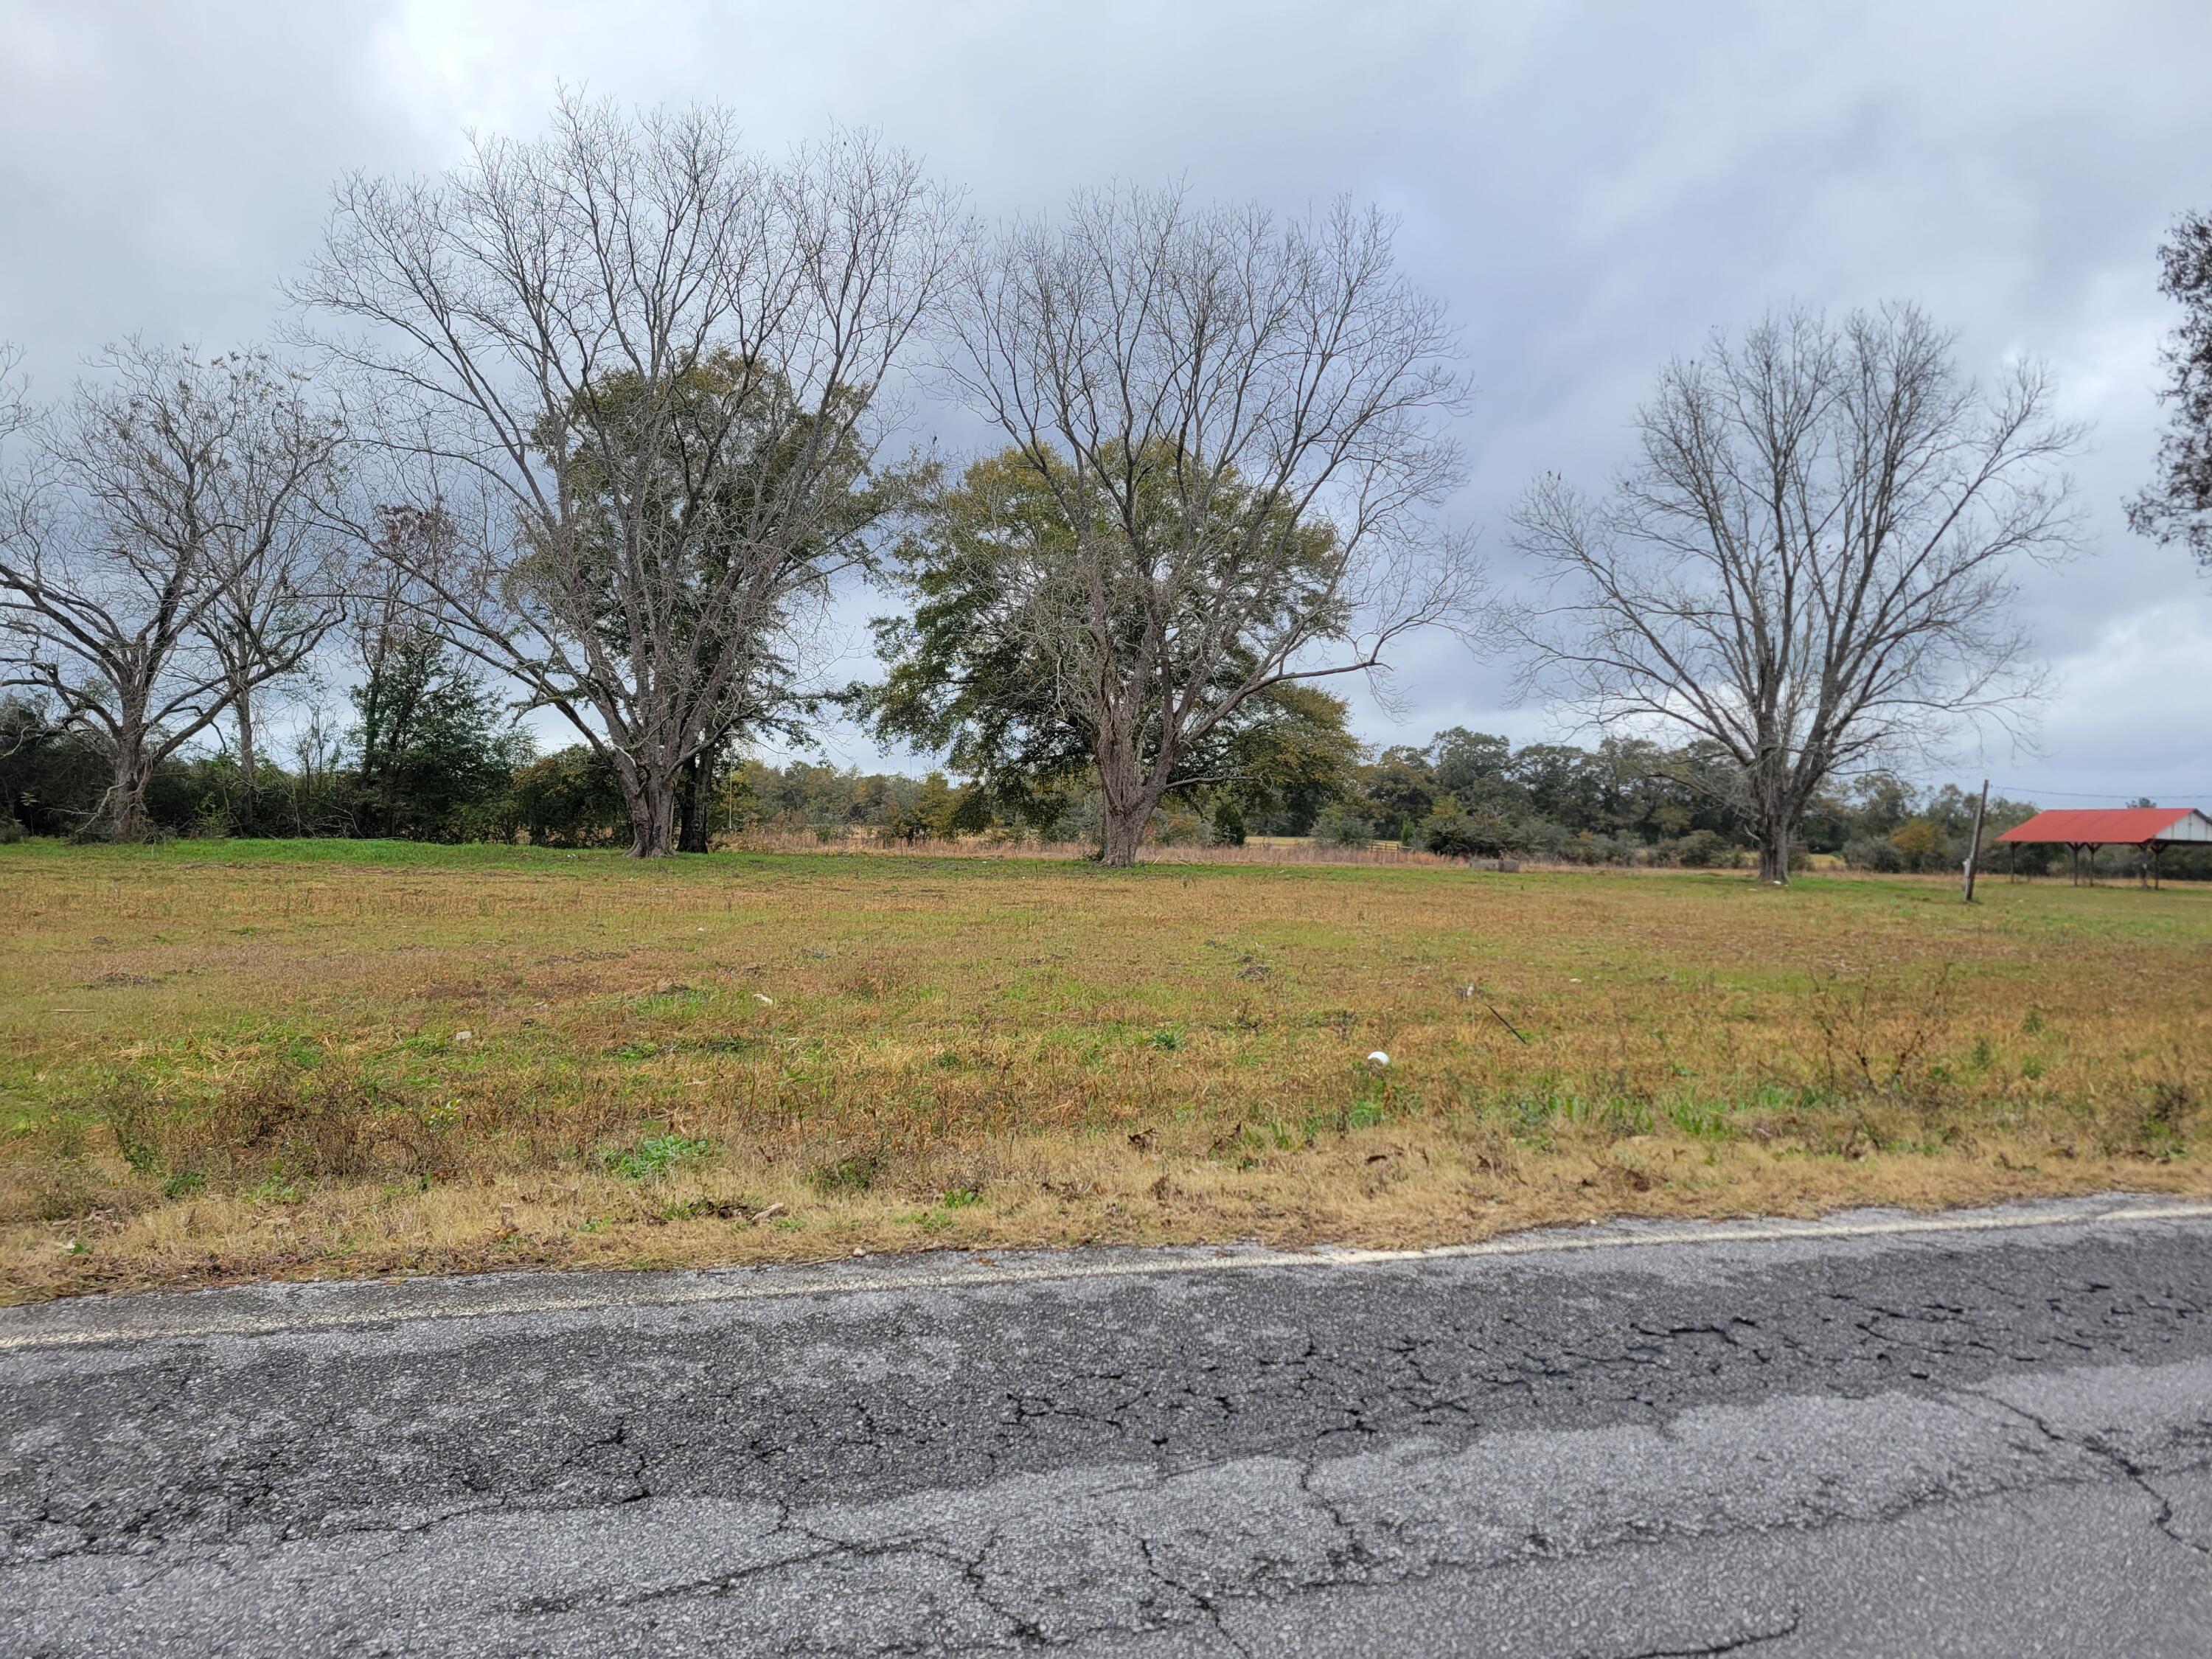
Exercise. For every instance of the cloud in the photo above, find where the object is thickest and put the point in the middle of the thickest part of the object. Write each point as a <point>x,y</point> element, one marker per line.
<point>2113,721</point>
<point>1592,186</point>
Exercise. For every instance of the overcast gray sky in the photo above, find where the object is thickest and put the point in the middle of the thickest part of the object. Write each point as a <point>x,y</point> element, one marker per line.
<point>1590,186</point>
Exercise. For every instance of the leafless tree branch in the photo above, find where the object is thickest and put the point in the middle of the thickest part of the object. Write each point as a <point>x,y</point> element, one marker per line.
<point>152,549</point>
<point>636,370</point>
<point>1240,420</point>
<point>1812,562</point>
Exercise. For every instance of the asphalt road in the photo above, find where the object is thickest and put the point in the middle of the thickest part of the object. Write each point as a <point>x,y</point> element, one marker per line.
<point>1992,1437</point>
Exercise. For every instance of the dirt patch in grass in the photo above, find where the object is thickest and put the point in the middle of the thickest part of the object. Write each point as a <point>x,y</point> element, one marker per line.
<point>370,1059</point>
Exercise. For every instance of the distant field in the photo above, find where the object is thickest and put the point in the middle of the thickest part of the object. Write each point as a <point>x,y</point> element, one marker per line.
<point>324,1058</point>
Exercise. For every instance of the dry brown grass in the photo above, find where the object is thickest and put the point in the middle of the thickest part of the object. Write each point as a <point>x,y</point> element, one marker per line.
<point>237,1060</point>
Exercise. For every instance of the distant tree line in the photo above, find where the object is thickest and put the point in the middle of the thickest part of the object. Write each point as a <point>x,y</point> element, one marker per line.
<point>592,428</point>
<point>428,754</point>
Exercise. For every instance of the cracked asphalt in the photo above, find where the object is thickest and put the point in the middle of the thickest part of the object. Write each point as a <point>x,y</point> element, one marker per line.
<point>1993,1440</point>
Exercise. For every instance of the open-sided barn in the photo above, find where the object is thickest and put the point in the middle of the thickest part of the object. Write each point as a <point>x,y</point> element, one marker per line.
<point>2150,828</point>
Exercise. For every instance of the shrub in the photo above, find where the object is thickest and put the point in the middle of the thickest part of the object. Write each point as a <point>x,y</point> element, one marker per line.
<point>1455,832</point>
<point>1875,853</point>
<point>1342,826</point>
<point>1703,850</point>
<point>571,798</point>
<point>1543,839</point>
<point>1176,827</point>
<point>1921,844</point>
<point>857,1172</point>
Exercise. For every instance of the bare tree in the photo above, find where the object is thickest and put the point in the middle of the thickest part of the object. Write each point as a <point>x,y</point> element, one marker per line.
<point>279,552</point>
<point>639,369</point>
<point>17,519</point>
<point>1813,559</point>
<point>1237,421</point>
<point>156,517</point>
<point>14,402</point>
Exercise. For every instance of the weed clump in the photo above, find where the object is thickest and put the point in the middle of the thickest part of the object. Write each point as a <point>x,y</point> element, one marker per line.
<point>655,1156</point>
<point>855,1172</point>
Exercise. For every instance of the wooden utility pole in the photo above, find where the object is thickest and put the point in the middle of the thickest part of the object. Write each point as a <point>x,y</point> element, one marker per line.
<point>1974,851</point>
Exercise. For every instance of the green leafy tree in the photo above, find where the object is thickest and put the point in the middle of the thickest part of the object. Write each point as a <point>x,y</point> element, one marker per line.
<point>570,798</point>
<point>51,781</point>
<point>433,756</point>
<point>1468,764</point>
<point>637,367</point>
<point>974,674</point>
<point>1401,789</point>
<point>1289,756</point>
<point>1458,831</point>
<point>713,630</point>
<point>2178,505</point>
<point>1238,421</point>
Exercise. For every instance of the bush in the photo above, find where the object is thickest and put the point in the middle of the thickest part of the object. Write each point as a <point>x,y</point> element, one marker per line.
<point>1455,832</point>
<point>1544,839</point>
<point>1921,845</point>
<point>51,782</point>
<point>1585,847</point>
<point>1342,826</point>
<point>1875,853</point>
<point>1176,827</point>
<point>569,798</point>
<point>1703,850</point>
<point>1450,831</point>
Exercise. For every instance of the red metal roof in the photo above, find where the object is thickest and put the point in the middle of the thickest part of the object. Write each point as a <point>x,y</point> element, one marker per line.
<point>2128,826</point>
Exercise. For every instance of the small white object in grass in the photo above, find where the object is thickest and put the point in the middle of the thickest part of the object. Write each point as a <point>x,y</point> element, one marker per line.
<point>1378,1058</point>
<point>765,1002</point>
<point>465,1037</point>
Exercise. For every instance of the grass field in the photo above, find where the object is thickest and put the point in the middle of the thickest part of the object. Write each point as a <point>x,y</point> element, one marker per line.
<point>228,1059</point>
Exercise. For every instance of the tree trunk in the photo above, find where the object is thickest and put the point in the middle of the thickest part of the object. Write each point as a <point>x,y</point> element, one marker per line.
<point>695,804</point>
<point>1124,831</point>
<point>1774,849</point>
<point>127,805</point>
<point>1126,796</point>
<point>249,805</point>
<point>651,798</point>
<point>388,811</point>
<point>1128,808</point>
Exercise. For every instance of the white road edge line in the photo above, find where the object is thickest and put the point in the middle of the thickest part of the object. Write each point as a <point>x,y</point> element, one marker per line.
<point>841,1281</point>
